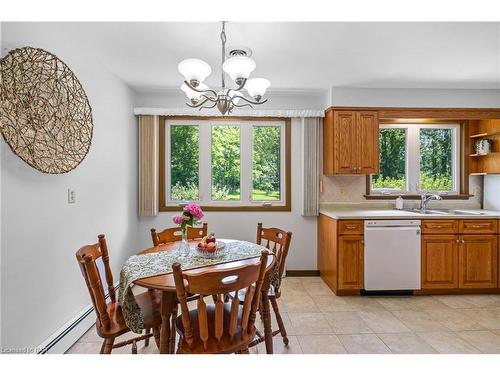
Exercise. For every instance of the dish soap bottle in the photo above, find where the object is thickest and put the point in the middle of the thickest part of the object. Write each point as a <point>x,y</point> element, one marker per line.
<point>399,203</point>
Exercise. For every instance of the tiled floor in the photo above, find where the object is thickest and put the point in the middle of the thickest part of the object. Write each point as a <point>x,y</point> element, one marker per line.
<point>320,322</point>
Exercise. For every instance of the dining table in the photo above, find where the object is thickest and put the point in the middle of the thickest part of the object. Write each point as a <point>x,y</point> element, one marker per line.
<point>165,285</point>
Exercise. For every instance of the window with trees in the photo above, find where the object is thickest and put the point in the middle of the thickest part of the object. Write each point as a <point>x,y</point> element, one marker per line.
<point>418,158</point>
<point>225,163</point>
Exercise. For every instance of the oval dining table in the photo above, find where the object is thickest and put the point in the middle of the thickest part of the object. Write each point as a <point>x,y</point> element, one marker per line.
<point>166,285</point>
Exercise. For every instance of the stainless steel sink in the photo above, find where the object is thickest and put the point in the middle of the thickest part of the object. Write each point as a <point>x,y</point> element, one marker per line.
<point>444,212</point>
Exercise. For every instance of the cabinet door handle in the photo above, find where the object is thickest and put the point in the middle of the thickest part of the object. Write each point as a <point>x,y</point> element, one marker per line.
<point>437,226</point>
<point>350,226</point>
<point>479,226</point>
<point>463,241</point>
<point>458,241</point>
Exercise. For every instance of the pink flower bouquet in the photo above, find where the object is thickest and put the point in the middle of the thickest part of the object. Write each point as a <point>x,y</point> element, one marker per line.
<point>191,213</point>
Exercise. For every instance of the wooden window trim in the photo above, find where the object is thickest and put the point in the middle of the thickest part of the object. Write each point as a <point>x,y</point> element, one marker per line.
<point>464,162</point>
<point>163,207</point>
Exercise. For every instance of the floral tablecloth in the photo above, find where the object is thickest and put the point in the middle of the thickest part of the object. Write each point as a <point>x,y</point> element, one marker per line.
<point>160,263</point>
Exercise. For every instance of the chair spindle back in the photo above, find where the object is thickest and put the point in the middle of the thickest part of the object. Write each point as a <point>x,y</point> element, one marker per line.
<point>217,284</point>
<point>175,234</point>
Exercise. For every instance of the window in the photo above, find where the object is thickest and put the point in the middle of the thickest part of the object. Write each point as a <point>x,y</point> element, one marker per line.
<point>418,158</point>
<point>225,163</point>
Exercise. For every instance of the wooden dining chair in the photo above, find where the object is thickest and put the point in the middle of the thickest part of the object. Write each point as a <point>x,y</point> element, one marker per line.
<point>219,327</point>
<point>174,234</point>
<point>278,241</point>
<point>110,322</point>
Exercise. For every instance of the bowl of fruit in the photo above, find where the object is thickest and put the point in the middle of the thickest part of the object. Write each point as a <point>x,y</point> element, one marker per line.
<point>209,247</point>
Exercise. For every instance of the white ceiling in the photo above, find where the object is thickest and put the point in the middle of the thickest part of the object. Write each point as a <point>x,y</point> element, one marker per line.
<point>303,56</point>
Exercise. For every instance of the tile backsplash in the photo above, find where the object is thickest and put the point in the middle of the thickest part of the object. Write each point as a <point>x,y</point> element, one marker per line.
<point>351,189</point>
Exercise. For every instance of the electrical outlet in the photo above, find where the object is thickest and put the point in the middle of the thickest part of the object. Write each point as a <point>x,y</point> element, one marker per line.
<point>71,196</point>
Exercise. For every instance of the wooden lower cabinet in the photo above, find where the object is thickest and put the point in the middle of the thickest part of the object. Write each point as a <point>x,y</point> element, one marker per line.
<point>439,261</point>
<point>350,262</point>
<point>478,261</point>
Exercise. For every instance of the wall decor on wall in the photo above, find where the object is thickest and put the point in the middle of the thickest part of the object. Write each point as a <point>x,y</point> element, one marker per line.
<point>45,115</point>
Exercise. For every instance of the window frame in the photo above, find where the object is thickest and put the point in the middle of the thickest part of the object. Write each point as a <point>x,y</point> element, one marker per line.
<point>205,122</point>
<point>412,164</point>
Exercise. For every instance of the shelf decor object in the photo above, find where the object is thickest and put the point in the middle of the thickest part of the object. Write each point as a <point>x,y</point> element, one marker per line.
<point>45,115</point>
<point>238,66</point>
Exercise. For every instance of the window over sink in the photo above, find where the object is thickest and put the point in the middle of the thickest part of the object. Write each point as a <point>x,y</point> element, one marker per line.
<point>225,163</point>
<point>417,158</point>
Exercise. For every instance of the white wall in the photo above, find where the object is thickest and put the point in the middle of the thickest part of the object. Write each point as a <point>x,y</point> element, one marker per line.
<point>389,97</point>
<point>42,287</point>
<point>243,225</point>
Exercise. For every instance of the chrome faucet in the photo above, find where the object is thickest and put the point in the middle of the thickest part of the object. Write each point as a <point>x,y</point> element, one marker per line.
<point>425,198</point>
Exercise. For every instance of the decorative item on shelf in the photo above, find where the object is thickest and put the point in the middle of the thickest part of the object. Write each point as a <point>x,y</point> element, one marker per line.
<point>45,115</point>
<point>191,215</point>
<point>209,247</point>
<point>483,146</point>
<point>238,67</point>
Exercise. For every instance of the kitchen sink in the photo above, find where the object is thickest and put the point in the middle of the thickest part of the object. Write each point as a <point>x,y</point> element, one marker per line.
<point>444,212</point>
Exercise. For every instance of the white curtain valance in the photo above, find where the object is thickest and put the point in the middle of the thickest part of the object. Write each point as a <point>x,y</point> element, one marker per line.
<point>238,112</point>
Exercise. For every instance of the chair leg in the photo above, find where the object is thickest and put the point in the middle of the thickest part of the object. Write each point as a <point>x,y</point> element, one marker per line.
<point>173,330</point>
<point>146,341</point>
<point>134,347</point>
<point>107,346</point>
<point>156,335</point>
<point>281,326</point>
<point>245,351</point>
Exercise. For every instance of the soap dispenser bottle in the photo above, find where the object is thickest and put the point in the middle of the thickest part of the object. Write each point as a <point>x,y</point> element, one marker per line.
<point>399,203</point>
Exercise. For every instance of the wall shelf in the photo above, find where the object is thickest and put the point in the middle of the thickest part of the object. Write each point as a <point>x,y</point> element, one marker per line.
<point>482,135</point>
<point>479,155</point>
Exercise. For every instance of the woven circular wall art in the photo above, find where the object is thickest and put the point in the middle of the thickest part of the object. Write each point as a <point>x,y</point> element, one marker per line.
<point>45,115</point>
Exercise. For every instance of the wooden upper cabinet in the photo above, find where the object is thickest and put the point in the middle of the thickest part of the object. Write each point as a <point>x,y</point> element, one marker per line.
<point>350,142</point>
<point>367,129</point>
<point>478,261</point>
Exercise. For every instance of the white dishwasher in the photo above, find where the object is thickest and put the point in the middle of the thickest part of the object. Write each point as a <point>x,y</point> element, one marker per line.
<point>392,255</point>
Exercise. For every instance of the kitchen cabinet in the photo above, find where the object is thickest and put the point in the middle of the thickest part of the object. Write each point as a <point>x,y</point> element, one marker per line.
<point>478,261</point>
<point>350,262</point>
<point>341,254</point>
<point>459,254</point>
<point>350,142</point>
<point>439,261</point>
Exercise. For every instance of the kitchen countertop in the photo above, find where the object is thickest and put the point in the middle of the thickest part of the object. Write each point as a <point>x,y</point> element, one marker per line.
<point>371,213</point>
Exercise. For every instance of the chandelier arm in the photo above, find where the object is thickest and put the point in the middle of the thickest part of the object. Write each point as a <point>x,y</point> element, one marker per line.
<point>250,101</point>
<point>208,106</point>
<point>197,104</point>
<point>214,100</point>
<point>242,105</point>
<point>197,90</point>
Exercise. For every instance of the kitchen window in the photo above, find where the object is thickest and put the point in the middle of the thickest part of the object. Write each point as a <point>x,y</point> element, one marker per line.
<point>417,158</point>
<point>225,163</point>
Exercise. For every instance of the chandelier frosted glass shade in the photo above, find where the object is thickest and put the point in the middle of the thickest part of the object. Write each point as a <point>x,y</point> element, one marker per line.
<point>194,71</point>
<point>191,94</point>
<point>256,87</point>
<point>239,67</point>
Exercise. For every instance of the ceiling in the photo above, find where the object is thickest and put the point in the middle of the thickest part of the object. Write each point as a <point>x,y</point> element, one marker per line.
<point>305,56</point>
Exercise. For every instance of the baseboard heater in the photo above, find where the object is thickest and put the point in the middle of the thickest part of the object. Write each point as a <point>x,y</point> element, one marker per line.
<point>364,292</point>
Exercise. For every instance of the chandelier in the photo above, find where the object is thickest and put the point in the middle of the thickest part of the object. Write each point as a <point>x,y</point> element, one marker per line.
<point>238,66</point>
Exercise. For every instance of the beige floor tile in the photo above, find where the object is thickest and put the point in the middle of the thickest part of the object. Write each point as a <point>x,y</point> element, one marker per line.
<point>84,348</point>
<point>364,344</point>
<point>419,321</point>
<point>426,303</point>
<point>293,346</point>
<point>309,323</point>
<point>487,317</point>
<point>455,319</point>
<point>321,344</point>
<point>456,302</point>
<point>317,288</point>
<point>359,303</point>
<point>405,343</point>
<point>91,336</point>
<point>383,322</point>
<point>333,303</point>
<point>486,341</point>
<point>297,303</point>
<point>447,343</point>
<point>346,322</point>
<point>484,300</point>
<point>292,286</point>
<point>395,303</point>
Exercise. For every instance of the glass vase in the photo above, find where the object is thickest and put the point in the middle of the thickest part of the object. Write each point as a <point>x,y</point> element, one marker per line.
<point>184,249</point>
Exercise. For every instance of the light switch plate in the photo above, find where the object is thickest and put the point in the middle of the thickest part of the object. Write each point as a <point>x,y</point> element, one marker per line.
<point>71,196</point>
